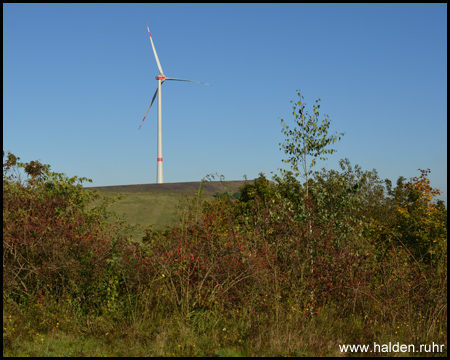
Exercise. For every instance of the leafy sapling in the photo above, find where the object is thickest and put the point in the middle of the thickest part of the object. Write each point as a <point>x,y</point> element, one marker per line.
<point>309,139</point>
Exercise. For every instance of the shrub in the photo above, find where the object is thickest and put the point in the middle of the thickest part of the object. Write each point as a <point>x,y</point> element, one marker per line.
<point>53,246</point>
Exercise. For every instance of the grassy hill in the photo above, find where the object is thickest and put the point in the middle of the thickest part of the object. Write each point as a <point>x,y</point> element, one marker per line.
<point>155,204</point>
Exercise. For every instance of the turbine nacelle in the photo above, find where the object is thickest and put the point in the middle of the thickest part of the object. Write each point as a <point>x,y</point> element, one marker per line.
<point>160,77</point>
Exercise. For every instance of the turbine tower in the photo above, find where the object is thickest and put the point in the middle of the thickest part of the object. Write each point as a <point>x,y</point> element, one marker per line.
<point>161,78</point>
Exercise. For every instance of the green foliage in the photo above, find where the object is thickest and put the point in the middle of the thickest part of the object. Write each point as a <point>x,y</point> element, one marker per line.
<point>350,197</point>
<point>309,139</point>
<point>421,221</point>
<point>228,194</point>
<point>261,188</point>
<point>292,191</point>
<point>43,184</point>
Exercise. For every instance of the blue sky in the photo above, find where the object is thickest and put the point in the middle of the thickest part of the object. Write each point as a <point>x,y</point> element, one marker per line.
<point>77,80</point>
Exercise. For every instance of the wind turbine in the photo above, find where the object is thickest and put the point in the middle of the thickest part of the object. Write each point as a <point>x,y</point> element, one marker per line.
<point>161,78</point>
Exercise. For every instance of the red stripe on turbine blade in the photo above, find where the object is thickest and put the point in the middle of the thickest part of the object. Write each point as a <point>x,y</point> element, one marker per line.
<point>141,123</point>
<point>159,159</point>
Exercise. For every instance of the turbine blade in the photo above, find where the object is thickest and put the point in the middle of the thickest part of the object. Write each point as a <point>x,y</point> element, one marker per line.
<point>154,51</point>
<point>154,96</point>
<point>198,82</point>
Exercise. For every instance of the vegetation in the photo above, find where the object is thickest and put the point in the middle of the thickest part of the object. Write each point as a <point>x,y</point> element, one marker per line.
<point>152,205</point>
<point>274,271</point>
<point>309,139</point>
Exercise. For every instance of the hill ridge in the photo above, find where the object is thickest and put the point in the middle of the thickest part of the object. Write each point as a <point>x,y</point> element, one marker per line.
<point>210,187</point>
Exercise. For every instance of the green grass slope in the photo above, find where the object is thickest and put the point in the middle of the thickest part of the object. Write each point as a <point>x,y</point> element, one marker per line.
<point>155,204</point>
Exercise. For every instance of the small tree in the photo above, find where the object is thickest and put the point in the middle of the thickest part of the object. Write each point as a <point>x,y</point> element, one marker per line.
<point>422,220</point>
<point>309,139</point>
